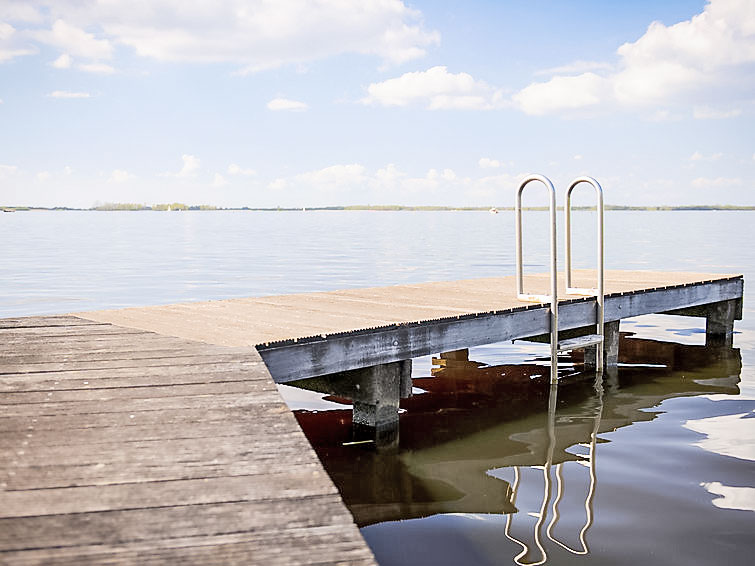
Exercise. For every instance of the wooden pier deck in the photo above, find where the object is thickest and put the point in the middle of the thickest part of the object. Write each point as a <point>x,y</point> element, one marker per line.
<point>122,446</point>
<point>157,435</point>
<point>313,334</point>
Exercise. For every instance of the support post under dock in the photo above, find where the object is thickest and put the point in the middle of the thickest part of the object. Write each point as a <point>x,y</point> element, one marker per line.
<point>375,392</point>
<point>719,323</point>
<point>610,347</point>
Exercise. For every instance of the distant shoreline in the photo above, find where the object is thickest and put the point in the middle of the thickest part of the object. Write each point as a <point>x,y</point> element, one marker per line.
<point>177,207</point>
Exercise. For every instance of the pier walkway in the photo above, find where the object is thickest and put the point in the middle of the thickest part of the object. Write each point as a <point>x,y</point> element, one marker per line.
<point>157,435</point>
<point>122,446</point>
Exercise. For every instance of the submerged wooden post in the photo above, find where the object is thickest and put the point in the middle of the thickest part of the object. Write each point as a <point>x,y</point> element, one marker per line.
<point>375,392</point>
<point>719,323</point>
<point>377,395</point>
<point>610,347</point>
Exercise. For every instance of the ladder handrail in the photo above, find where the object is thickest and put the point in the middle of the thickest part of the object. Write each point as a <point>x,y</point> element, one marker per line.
<point>553,297</point>
<point>598,293</point>
<point>600,224</point>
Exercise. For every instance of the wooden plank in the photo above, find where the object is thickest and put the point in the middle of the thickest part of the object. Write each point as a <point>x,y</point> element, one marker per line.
<point>52,331</point>
<point>133,525</point>
<point>172,415</point>
<point>131,393</point>
<point>123,352</point>
<point>200,401</point>
<point>82,340</point>
<point>47,321</point>
<point>333,545</point>
<point>117,432</point>
<point>54,382</point>
<point>300,481</point>
<point>73,365</point>
<point>158,461</point>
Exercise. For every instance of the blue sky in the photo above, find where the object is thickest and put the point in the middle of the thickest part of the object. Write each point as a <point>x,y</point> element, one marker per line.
<point>309,103</point>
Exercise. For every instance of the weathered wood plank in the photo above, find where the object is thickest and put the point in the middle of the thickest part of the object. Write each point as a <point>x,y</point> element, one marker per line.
<point>197,366</point>
<point>137,405</point>
<point>74,365</point>
<point>157,462</point>
<point>332,545</point>
<point>53,382</point>
<point>300,481</point>
<point>122,527</point>
<point>53,331</point>
<point>125,352</point>
<point>129,394</point>
<point>65,421</point>
<point>51,320</point>
<point>117,432</point>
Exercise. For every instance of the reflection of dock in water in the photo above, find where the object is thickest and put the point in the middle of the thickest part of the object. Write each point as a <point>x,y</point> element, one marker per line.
<point>474,419</point>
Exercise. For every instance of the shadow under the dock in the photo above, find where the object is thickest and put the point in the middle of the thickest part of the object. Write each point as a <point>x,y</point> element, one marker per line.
<point>470,420</point>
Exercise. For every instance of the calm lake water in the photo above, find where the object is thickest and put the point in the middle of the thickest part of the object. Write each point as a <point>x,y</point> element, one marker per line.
<point>654,465</point>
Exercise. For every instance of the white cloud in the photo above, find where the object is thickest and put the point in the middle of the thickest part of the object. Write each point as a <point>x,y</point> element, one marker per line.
<point>19,10</point>
<point>63,62</point>
<point>99,68</point>
<point>74,41</point>
<point>390,174</point>
<point>119,176</point>
<point>255,34</point>
<point>11,45</point>
<point>335,177</point>
<point>436,89</point>
<point>577,157</point>
<point>697,156</point>
<point>234,169</point>
<point>7,171</point>
<point>68,94</point>
<point>487,163</point>
<point>218,180</point>
<point>43,176</point>
<point>390,185</point>
<point>708,113</point>
<point>277,184</point>
<point>190,166</point>
<point>287,104</point>
<point>562,94</point>
<point>717,182</point>
<point>705,62</point>
<point>576,67</point>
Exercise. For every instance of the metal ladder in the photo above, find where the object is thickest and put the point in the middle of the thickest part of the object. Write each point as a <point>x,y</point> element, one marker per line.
<point>579,342</point>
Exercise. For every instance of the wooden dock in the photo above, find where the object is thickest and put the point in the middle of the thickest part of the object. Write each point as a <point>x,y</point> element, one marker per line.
<point>122,446</point>
<point>157,435</point>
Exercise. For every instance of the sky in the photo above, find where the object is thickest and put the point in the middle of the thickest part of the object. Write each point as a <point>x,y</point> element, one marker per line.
<point>298,103</point>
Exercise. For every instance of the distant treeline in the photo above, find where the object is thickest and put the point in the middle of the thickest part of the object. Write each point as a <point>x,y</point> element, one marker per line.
<point>177,206</point>
<point>167,206</point>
